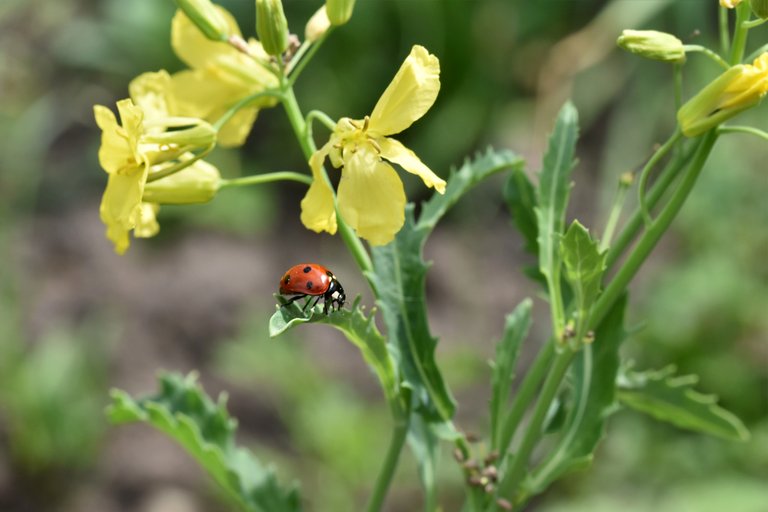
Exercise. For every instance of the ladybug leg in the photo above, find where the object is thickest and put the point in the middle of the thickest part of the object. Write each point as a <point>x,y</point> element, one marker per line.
<point>292,300</point>
<point>307,305</point>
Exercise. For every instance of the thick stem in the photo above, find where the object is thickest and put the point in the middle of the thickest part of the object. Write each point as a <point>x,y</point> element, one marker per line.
<point>387,471</point>
<point>653,234</point>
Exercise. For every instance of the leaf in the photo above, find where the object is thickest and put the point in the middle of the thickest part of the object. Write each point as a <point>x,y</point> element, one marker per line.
<point>594,373</point>
<point>584,267</point>
<point>184,412</point>
<point>399,277</point>
<point>671,398</point>
<point>425,445</point>
<point>507,351</point>
<point>554,189</point>
<point>356,326</point>
<point>520,196</point>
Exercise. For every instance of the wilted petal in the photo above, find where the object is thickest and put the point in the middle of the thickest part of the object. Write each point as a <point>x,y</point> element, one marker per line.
<point>371,198</point>
<point>318,212</point>
<point>410,94</point>
<point>396,153</point>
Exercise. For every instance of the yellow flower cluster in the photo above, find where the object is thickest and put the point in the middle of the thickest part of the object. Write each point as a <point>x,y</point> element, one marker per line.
<point>371,198</point>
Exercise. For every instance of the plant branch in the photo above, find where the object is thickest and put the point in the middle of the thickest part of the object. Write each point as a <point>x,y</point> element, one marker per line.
<point>259,179</point>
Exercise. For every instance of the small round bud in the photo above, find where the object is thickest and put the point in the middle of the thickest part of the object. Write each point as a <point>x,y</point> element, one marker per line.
<point>652,44</point>
<point>205,16</point>
<point>760,8</point>
<point>317,25</point>
<point>339,11</point>
<point>271,26</point>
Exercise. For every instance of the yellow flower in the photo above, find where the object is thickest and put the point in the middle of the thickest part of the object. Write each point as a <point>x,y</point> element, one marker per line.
<point>729,4</point>
<point>735,90</point>
<point>127,167</point>
<point>219,77</point>
<point>371,198</point>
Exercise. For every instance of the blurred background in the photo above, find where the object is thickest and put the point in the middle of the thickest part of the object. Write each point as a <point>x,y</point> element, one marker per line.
<point>76,320</point>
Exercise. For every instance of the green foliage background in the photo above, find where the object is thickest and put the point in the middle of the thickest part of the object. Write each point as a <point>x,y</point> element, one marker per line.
<point>66,333</point>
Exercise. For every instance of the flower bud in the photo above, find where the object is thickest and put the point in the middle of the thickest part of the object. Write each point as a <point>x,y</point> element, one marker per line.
<point>317,25</point>
<point>760,8</point>
<point>205,16</point>
<point>184,132</point>
<point>339,11</point>
<point>735,90</point>
<point>271,26</point>
<point>197,183</point>
<point>652,45</point>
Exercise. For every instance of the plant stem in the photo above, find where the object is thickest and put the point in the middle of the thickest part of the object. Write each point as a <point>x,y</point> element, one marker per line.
<point>259,179</point>
<point>646,172</point>
<point>625,181</point>
<point>635,221</point>
<point>755,54</point>
<point>226,116</point>
<point>387,471</point>
<point>299,65</point>
<point>743,14</point>
<point>534,430</point>
<point>654,232</point>
<point>179,166</point>
<point>523,397</point>
<point>709,53</point>
<point>725,32</point>
<point>743,129</point>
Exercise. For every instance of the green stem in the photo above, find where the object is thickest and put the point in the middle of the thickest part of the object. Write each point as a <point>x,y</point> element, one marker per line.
<point>743,13</point>
<point>273,93</point>
<point>725,32</point>
<point>299,126</point>
<point>654,232</point>
<point>523,397</point>
<point>646,172</point>
<point>259,179</point>
<point>709,53</point>
<point>173,169</point>
<point>755,54</point>
<point>387,471</point>
<point>754,23</point>
<point>625,181</point>
<point>635,221</point>
<point>743,129</point>
<point>678,82</point>
<point>533,432</point>
<point>299,65</point>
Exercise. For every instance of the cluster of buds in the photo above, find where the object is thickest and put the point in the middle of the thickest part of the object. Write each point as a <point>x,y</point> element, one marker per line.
<point>482,473</point>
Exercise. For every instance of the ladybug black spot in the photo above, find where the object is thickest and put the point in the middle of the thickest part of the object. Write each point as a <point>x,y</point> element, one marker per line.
<point>307,269</point>
<point>309,285</point>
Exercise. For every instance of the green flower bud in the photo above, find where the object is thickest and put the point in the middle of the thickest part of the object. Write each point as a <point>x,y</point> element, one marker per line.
<point>339,11</point>
<point>183,132</point>
<point>760,8</point>
<point>317,25</point>
<point>652,45</point>
<point>271,26</point>
<point>205,16</point>
<point>197,183</point>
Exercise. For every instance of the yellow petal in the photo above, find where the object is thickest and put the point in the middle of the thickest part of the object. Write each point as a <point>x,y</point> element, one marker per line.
<point>119,205</point>
<point>410,94</point>
<point>146,220</point>
<point>236,130</point>
<point>371,198</point>
<point>396,153</point>
<point>152,93</point>
<point>115,151</point>
<point>317,209</point>
<point>192,46</point>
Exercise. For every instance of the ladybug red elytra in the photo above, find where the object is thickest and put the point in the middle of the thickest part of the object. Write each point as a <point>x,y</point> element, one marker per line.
<point>314,281</point>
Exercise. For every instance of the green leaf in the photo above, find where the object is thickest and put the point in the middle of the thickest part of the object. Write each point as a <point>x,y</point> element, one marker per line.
<point>584,267</point>
<point>425,445</point>
<point>671,398</point>
<point>399,277</point>
<point>593,375</point>
<point>520,196</point>
<point>554,189</point>
<point>515,330</point>
<point>184,412</point>
<point>358,327</point>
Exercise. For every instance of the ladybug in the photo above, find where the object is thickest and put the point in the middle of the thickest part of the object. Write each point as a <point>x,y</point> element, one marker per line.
<point>314,281</point>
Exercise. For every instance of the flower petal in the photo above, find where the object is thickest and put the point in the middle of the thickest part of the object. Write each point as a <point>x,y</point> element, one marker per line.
<point>317,209</point>
<point>396,153</point>
<point>115,150</point>
<point>192,46</point>
<point>146,220</point>
<point>119,205</point>
<point>371,198</point>
<point>152,93</point>
<point>410,94</point>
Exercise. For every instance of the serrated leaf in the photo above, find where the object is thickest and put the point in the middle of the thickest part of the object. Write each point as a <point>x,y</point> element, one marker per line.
<point>185,413</point>
<point>593,373</point>
<point>507,351</point>
<point>358,328</point>
<point>553,191</point>
<point>399,277</point>
<point>671,398</point>
<point>584,267</point>
<point>520,197</point>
